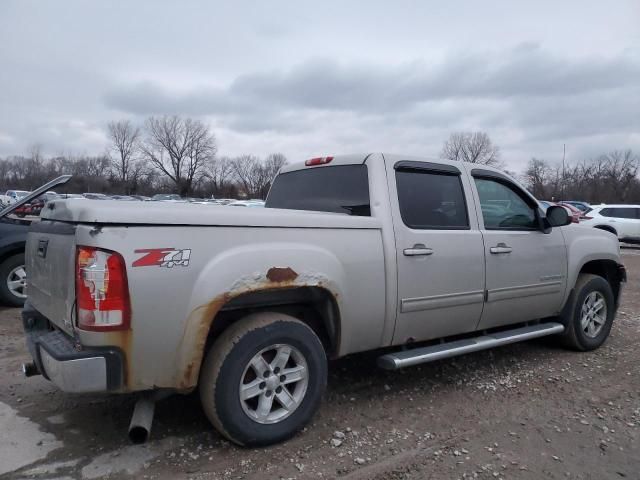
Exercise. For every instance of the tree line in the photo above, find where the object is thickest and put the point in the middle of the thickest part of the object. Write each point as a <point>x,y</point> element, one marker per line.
<point>608,178</point>
<point>167,154</point>
<point>174,154</point>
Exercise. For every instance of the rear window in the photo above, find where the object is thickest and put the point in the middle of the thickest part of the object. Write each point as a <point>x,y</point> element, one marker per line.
<point>340,189</point>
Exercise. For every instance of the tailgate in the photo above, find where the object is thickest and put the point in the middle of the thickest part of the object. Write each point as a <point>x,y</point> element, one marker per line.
<point>50,262</point>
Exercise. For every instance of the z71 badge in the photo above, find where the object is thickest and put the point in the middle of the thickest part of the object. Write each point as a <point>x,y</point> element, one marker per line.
<point>162,257</point>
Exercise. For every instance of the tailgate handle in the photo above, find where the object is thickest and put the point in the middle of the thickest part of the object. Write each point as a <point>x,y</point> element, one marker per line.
<point>42,248</point>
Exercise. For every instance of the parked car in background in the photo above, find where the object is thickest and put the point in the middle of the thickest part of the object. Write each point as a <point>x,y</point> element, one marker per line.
<point>13,236</point>
<point>162,197</point>
<point>573,212</point>
<point>621,220</point>
<point>127,198</point>
<point>247,203</point>
<point>96,196</point>
<point>12,196</point>
<point>582,206</point>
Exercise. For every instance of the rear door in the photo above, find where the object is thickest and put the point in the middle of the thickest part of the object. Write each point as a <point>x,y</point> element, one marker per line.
<point>625,222</point>
<point>526,269</point>
<point>439,251</point>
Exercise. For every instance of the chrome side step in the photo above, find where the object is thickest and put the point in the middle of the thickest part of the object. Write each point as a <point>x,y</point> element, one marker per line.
<point>408,358</point>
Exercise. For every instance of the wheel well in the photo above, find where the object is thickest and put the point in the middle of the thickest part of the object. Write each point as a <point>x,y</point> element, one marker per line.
<point>607,228</point>
<point>314,306</point>
<point>607,269</point>
<point>11,251</point>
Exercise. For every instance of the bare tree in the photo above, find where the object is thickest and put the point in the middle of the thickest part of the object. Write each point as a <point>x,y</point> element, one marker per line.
<point>124,138</point>
<point>220,174</point>
<point>271,166</point>
<point>180,148</point>
<point>536,177</point>
<point>246,169</point>
<point>473,147</point>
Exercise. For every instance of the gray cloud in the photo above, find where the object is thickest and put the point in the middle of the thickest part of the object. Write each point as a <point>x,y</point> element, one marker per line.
<point>366,75</point>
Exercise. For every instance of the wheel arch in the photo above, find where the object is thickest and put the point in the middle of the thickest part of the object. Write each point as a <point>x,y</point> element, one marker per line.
<point>315,305</point>
<point>607,228</point>
<point>609,270</point>
<point>7,251</point>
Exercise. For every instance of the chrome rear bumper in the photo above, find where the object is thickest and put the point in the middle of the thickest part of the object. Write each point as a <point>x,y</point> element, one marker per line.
<point>72,367</point>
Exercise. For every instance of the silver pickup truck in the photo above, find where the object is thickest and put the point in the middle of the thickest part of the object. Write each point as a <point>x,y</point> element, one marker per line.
<point>418,259</point>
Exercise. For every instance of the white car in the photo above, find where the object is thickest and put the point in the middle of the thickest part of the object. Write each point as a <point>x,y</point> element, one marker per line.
<point>621,220</point>
<point>12,196</point>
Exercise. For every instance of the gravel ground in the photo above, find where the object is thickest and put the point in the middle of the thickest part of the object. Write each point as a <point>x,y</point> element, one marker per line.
<point>530,411</point>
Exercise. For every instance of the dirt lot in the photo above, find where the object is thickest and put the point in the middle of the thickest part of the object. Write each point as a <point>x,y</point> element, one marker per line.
<point>526,411</point>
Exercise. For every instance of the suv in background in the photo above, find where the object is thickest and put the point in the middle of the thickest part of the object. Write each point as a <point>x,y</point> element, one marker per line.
<point>621,220</point>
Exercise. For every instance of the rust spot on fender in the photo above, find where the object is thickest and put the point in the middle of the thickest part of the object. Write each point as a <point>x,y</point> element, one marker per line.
<point>281,274</point>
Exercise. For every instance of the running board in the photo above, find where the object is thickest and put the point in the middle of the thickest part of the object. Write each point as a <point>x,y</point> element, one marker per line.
<point>408,358</point>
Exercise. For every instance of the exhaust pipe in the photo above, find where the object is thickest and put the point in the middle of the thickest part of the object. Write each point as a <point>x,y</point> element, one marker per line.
<point>30,369</point>
<point>141,420</point>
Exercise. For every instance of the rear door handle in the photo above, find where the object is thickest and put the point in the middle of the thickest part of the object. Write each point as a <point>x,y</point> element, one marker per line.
<point>417,250</point>
<point>501,248</point>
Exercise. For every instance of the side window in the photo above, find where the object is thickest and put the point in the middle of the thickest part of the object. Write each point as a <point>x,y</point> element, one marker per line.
<point>503,207</point>
<point>624,213</point>
<point>606,212</point>
<point>431,200</point>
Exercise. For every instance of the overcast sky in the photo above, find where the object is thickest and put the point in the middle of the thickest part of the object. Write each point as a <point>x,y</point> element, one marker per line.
<point>312,78</point>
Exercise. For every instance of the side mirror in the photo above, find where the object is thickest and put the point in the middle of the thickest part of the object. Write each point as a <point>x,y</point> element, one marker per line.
<point>557,216</point>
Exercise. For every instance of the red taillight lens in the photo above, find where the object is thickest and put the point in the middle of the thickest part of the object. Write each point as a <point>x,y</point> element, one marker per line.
<point>318,161</point>
<point>102,293</point>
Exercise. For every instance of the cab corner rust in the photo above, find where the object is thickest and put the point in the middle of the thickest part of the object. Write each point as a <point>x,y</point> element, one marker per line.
<point>281,274</point>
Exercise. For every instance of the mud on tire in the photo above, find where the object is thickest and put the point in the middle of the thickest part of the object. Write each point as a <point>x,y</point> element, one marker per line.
<point>243,385</point>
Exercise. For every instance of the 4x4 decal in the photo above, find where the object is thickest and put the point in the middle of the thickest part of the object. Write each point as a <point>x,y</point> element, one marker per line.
<point>162,257</point>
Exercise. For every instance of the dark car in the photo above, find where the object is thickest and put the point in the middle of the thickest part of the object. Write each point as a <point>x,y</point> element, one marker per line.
<point>13,236</point>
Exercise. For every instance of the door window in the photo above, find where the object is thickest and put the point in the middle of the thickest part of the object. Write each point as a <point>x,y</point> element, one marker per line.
<point>431,200</point>
<point>503,207</point>
<point>623,212</point>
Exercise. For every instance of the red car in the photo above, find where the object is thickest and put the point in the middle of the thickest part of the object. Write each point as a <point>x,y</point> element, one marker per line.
<point>574,212</point>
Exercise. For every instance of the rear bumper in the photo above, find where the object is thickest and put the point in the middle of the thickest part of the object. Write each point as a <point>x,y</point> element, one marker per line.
<point>69,365</point>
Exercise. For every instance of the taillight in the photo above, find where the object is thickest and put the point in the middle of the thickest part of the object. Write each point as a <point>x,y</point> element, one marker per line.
<point>102,293</point>
<point>318,161</point>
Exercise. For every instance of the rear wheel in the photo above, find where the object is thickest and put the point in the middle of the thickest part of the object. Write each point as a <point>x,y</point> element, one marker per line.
<point>263,378</point>
<point>13,281</point>
<point>589,320</point>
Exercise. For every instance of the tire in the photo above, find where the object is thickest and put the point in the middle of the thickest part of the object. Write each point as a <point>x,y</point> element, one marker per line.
<point>8,273</point>
<point>229,363</point>
<point>575,335</point>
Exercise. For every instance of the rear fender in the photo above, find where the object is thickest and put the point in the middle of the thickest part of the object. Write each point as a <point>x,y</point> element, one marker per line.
<point>275,266</point>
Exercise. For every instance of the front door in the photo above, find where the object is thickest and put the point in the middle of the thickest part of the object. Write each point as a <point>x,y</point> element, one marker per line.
<point>439,251</point>
<point>526,269</point>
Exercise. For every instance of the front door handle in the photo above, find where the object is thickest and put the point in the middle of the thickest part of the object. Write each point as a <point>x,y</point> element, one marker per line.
<point>417,250</point>
<point>501,248</point>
